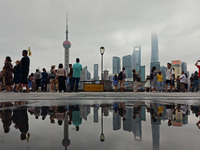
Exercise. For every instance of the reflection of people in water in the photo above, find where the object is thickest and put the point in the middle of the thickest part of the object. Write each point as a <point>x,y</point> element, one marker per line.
<point>60,115</point>
<point>6,116</point>
<point>75,116</point>
<point>122,110</point>
<point>20,118</point>
<point>170,114</point>
<point>52,114</point>
<point>45,110</point>
<point>198,123</point>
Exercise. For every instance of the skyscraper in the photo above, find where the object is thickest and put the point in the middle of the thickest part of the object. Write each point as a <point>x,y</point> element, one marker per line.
<point>116,65</point>
<point>176,64</point>
<point>184,67</point>
<point>142,73</point>
<point>66,45</point>
<point>136,58</point>
<point>126,63</point>
<point>154,52</point>
<point>96,72</point>
<point>163,70</point>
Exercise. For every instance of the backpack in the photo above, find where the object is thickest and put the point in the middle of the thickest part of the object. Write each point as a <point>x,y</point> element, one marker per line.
<point>120,76</point>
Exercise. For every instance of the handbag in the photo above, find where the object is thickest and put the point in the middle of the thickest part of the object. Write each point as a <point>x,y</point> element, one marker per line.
<point>52,75</point>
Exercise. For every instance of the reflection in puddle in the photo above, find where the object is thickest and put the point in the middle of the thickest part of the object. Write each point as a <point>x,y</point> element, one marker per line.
<point>119,126</point>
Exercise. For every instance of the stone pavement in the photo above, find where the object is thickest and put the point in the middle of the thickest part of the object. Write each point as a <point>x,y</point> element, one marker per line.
<point>92,98</point>
<point>98,96</point>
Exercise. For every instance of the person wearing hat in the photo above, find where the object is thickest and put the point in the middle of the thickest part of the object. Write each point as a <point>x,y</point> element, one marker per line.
<point>115,82</point>
<point>17,74</point>
<point>7,73</point>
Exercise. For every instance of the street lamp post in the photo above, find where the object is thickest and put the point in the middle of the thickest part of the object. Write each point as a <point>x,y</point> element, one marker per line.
<point>102,50</point>
<point>102,137</point>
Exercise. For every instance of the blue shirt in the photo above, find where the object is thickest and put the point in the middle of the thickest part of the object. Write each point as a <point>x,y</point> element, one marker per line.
<point>77,68</point>
<point>115,82</point>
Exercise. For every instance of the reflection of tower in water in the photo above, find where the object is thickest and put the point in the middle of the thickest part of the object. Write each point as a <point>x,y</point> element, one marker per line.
<point>66,140</point>
<point>155,127</point>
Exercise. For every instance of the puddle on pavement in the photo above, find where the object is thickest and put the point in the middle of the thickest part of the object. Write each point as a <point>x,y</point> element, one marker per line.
<point>136,125</point>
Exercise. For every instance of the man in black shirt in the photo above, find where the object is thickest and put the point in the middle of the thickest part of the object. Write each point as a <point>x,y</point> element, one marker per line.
<point>25,63</point>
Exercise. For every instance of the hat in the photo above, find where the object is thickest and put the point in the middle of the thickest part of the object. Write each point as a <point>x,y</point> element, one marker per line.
<point>17,62</point>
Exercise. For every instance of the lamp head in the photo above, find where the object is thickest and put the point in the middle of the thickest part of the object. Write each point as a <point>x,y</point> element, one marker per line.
<point>102,50</point>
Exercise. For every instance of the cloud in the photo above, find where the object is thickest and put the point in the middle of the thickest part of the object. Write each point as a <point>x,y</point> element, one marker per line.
<point>116,25</point>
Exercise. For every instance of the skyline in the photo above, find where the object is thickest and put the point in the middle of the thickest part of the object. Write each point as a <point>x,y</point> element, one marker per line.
<point>43,29</point>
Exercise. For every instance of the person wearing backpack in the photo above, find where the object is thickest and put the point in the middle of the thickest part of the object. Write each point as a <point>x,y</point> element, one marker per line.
<point>121,78</point>
<point>168,74</point>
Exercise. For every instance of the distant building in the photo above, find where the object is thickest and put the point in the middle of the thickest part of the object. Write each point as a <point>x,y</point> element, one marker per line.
<point>126,63</point>
<point>85,74</point>
<point>96,114</point>
<point>106,75</point>
<point>176,64</point>
<point>96,72</point>
<point>142,73</point>
<point>154,52</point>
<point>136,58</point>
<point>116,65</point>
<point>116,121</point>
<point>184,67</point>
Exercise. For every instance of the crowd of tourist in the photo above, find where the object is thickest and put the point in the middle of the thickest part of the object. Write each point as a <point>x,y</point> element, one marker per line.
<point>17,77</point>
<point>155,81</point>
<point>13,79</point>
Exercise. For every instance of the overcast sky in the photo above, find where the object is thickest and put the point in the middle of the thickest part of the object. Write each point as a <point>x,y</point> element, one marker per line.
<point>118,25</point>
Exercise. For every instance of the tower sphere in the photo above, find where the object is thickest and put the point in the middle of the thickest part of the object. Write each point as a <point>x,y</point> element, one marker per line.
<point>66,44</point>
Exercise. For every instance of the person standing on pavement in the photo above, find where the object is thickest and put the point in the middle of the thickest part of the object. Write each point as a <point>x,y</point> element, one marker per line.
<point>115,82</point>
<point>70,75</point>
<point>25,63</point>
<point>77,68</point>
<point>160,81</point>
<point>45,80</point>
<point>17,70</point>
<point>195,82</point>
<point>121,78</point>
<point>37,79</point>
<point>135,80</point>
<point>182,81</point>
<point>61,75</point>
<point>198,66</point>
<point>168,74</point>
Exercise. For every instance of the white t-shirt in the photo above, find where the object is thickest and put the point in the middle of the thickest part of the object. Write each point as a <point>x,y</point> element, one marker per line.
<point>183,78</point>
<point>168,74</point>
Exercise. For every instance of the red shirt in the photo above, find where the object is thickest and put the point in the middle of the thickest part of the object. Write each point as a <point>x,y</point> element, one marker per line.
<point>198,66</point>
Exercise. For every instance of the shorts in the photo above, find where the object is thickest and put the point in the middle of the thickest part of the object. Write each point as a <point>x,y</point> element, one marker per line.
<point>24,78</point>
<point>121,83</point>
<point>168,82</point>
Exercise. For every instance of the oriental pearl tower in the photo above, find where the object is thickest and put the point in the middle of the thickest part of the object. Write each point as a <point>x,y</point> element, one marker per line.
<point>66,45</point>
